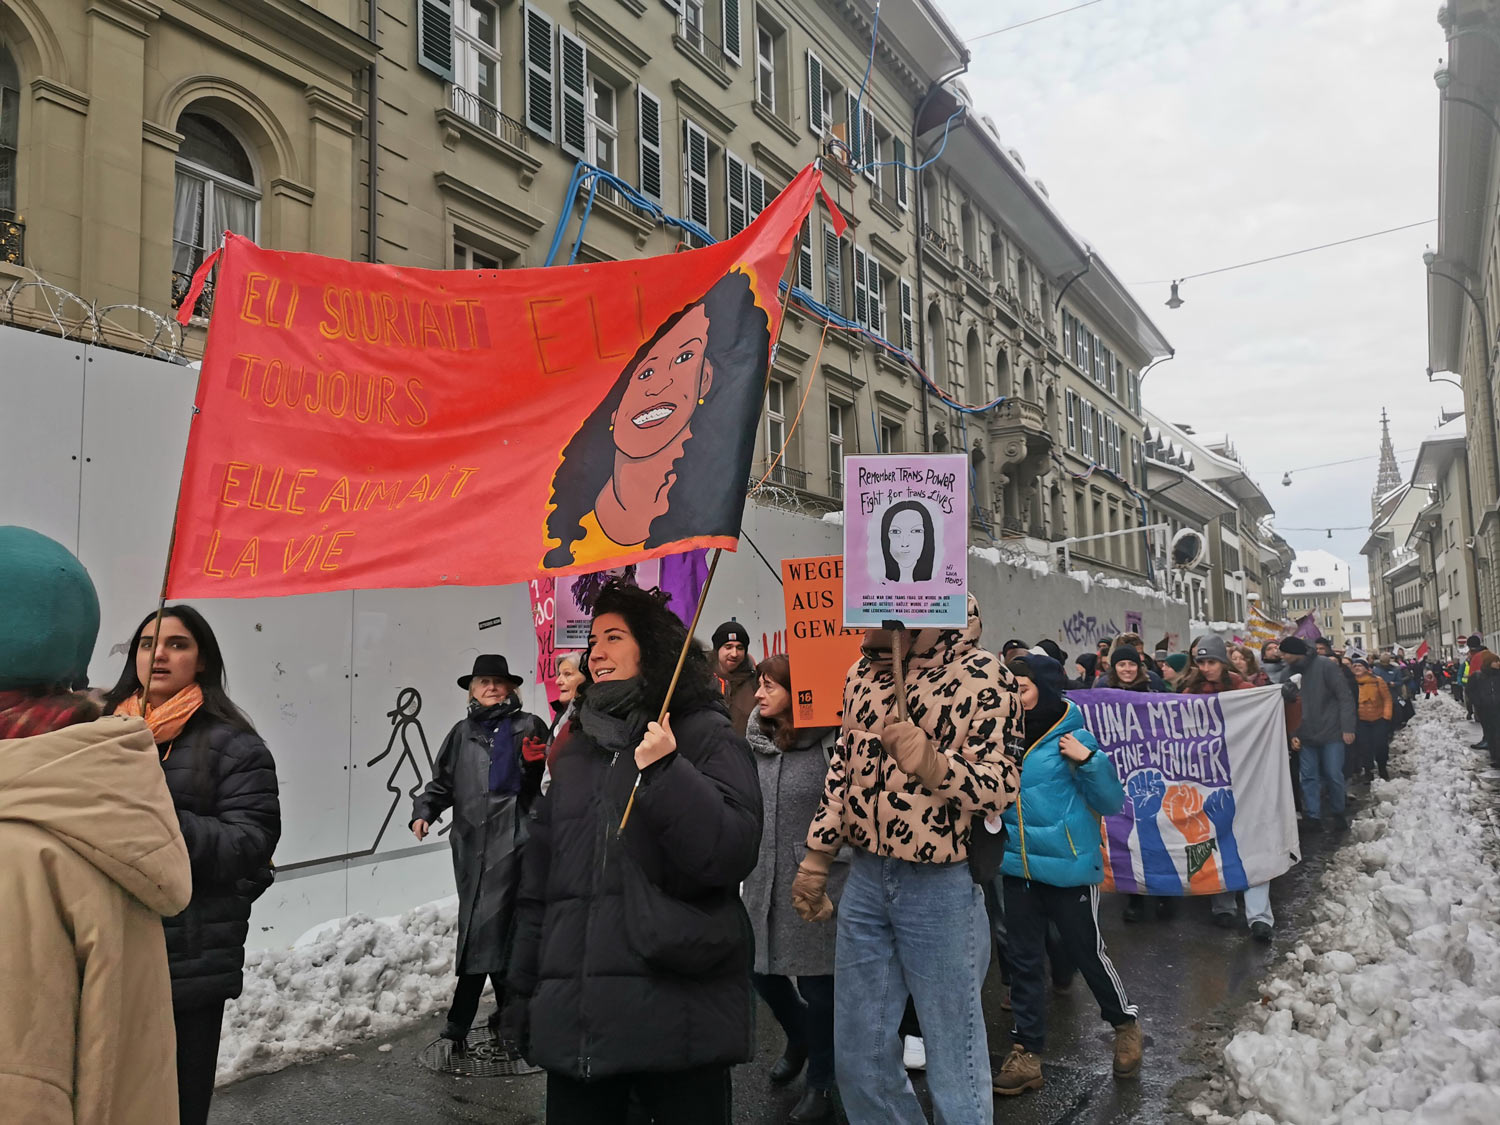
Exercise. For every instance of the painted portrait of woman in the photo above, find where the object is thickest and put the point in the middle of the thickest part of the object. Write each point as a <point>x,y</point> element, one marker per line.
<point>666,455</point>
<point>907,542</point>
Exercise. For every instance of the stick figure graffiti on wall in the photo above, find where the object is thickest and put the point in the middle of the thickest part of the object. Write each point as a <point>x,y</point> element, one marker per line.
<point>404,727</point>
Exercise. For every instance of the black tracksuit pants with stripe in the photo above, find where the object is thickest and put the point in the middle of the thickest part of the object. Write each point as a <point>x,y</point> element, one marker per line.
<point>1029,907</point>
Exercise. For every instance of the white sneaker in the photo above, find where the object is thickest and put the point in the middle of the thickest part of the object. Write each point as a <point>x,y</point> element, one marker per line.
<point>914,1053</point>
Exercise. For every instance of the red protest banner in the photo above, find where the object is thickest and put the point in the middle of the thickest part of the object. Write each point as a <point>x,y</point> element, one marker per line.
<point>364,426</point>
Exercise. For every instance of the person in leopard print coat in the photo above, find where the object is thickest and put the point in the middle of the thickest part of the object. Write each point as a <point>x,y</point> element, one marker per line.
<point>909,796</point>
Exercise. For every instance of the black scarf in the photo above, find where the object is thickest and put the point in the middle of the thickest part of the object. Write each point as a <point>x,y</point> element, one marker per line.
<point>614,714</point>
<point>1042,718</point>
<point>496,722</point>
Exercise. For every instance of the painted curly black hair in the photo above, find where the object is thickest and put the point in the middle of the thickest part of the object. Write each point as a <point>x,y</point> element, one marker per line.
<point>723,430</point>
<point>660,634</point>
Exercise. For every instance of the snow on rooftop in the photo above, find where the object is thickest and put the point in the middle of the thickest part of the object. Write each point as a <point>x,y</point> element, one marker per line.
<point>1359,607</point>
<point>1317,572</point>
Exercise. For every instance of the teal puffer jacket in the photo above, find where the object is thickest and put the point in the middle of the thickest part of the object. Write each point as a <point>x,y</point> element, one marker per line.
<point>1053,826</point>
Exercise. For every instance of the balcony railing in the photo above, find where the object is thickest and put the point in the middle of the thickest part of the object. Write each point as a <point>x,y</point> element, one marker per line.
<point>474,109</point>
<point>695,37</point>
<point>12,241</point>
<point>181,282</point>
<point>931,235</point>
<point>1018,410</point>
<point>972,266</point>
<point>782,474</point>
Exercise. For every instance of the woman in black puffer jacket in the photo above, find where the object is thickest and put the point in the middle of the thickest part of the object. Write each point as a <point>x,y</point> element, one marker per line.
<point>633,947</point>
<point>223,782</point>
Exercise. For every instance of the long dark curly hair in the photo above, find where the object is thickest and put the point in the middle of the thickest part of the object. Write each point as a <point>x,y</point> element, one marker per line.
<point>723,430</point>
<point>660,634</point>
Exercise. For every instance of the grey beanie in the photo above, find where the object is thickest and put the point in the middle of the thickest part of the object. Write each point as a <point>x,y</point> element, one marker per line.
<point>1211,648</point>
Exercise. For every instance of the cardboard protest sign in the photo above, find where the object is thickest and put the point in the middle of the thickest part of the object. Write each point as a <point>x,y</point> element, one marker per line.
<point>906,540</point>
<point>820,649</point>
<point>1208,799</point>
<point>576,594</point>
<point>362,426</point>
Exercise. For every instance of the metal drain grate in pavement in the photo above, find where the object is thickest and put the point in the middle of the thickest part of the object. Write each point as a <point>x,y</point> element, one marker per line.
<point>482,1058</point>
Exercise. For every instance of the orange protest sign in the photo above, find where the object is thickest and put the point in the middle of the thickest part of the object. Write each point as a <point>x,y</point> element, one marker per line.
<point>365,426</point>
<point>821,650</point>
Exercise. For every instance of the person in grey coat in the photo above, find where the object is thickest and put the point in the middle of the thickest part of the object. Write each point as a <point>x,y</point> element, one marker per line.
<point>1325,732</point>
<point>488,772</point>
<point>792,765</point>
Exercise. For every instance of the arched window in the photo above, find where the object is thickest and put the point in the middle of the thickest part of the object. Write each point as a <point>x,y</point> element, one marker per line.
<point>935,347</point>
<point>216,191</point>
<point>10,132</point>
<point>1002,372</point>
<point>1023,284</point>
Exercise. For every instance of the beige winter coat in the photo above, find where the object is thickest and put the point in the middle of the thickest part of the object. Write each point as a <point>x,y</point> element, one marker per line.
<point>91,857</point>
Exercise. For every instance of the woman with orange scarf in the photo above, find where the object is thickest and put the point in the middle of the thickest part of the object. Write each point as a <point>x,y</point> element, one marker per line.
<point>223,784</point>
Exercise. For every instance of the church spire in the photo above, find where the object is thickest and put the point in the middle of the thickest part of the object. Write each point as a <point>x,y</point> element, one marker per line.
<point>1390,472</point>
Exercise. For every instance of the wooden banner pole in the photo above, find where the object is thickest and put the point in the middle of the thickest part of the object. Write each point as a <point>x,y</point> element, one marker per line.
<point>666,702</point>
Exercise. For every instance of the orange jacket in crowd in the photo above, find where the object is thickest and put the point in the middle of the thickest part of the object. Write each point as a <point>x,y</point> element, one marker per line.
<point>1374,698</point>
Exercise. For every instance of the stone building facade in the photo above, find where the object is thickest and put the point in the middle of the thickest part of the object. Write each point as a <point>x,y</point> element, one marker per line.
<point>446,133</point>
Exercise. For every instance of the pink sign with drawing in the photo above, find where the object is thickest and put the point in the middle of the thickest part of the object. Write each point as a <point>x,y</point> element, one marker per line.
<point>906,540</point>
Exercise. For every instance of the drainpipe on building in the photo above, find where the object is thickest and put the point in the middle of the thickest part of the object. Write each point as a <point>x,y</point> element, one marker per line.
<point>372,125</point>
<point>921,310</point>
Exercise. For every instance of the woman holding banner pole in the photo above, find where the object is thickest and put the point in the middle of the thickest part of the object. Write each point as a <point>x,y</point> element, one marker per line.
<point>1066,785</point>
<point>792,764</point>
<point>633,951</point>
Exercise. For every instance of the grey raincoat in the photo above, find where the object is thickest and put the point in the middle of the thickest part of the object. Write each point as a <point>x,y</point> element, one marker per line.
<point>489,831</point>
<point>791,788</point>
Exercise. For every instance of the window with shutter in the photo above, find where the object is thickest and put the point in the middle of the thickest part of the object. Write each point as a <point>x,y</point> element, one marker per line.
<point>732,30</point>
<point>435,37</point>
<point>861,288</point>
<point>695,173</point>
<point>735,192</point>
<point>901,178</point>
<point>539,80</point>
<point>833,270</point>
<point>851,126</point>
<point>877,295</point>
<point>869,149</point>
<point>575,80</point>
<point>805,258</point>
<point>908,322</point>
<point>815,122</point>
<point>1072,401</point>
<point>755,195</point>
<point>648,110</point>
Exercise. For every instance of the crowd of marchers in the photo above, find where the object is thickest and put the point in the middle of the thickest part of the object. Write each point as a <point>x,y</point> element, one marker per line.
<point>633,871</point>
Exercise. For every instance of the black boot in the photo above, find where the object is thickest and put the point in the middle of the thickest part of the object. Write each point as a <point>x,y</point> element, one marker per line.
<point>815,1105</point>
<point>1135,908</point>
<point>792,1060</point>
<point>1166,907</point>
<point>458,1036</point>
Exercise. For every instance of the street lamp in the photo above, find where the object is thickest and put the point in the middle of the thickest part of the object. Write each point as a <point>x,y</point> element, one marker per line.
<point>1174,301</point>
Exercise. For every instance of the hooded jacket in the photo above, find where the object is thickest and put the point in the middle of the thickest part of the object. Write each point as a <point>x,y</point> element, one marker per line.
<point>965,700</point>
<point>94,858</point>
<point>1328,711</point>
<point>738,689</point>
<point>1374,702</point>
<point>1053,828</point>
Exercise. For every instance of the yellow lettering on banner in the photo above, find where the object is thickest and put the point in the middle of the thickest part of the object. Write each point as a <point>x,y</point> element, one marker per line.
<point>208,559</point>
<point>463,479</point>
<point>305,554</point>
<point>294,493</point>
<point>418,490</point>
<point>231,481</point>
<point>249,557</point>
<point>335,550</point>
<point>339,493</point>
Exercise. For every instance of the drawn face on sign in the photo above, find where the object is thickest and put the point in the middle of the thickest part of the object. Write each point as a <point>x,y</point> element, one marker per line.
<point>906,537</point>
<point>663,456</point>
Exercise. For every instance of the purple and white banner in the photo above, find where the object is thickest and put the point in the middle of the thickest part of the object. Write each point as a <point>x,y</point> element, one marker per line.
<point>1208,795</point>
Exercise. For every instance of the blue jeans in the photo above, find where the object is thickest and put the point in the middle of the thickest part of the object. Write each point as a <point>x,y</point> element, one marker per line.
<point>918,929</point>
<point>1323,767</point>
<point>1257,904</point>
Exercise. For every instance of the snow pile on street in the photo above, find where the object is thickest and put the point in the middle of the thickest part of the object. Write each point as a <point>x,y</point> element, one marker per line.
<point>1389,1011</point>
<point>343,981</point>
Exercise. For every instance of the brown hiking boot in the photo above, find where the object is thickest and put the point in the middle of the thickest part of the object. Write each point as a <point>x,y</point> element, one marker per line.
<point>1021,1071</point>
<point>1128,1050</point>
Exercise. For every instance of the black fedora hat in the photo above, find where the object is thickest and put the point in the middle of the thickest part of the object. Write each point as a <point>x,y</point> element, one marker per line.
<point>490,664</point>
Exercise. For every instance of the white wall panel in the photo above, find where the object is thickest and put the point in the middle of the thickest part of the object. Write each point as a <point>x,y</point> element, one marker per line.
<point>41,444</point>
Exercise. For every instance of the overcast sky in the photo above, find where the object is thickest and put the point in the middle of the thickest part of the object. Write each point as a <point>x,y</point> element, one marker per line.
<point>1179,136</point>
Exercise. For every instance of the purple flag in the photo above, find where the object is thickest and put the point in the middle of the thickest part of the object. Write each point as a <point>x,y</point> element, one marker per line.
<point>1307,627</point>
<point>682,576</point>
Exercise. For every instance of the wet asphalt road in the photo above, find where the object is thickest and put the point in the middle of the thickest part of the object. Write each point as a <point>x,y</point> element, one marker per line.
<point>1189,978</point>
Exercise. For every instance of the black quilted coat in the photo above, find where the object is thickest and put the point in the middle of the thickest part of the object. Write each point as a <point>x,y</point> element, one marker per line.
<point>223,783</point>
<point>596,1007</point>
